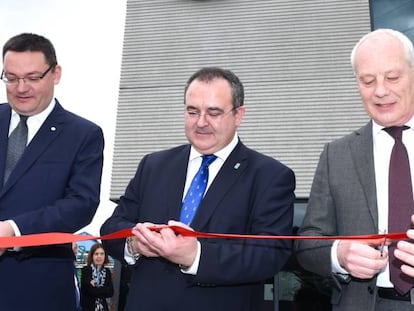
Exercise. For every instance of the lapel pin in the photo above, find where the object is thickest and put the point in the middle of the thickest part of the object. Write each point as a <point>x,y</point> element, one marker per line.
<point>53,128</point>
<point>236,166</point>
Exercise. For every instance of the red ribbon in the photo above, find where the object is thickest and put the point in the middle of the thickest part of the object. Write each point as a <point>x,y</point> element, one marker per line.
<point>61,238</point>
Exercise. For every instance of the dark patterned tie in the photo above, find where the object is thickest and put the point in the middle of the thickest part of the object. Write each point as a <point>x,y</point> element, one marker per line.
<point>196,191</point>
<point>400,204</point>
<point>16,145</point>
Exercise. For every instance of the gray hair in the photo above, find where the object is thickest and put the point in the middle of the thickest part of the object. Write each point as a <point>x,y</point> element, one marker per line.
<point>405,41</point>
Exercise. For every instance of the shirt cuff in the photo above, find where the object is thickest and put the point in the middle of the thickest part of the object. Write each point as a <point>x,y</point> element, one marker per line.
<point>194,267</point>
<point>129,258</point>
<point>16,233</point>
<point>335,266</point>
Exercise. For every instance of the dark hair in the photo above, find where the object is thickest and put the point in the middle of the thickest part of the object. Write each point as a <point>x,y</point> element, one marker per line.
<point>33,43</point>
<point>93,250</point>
<point>208,74</point>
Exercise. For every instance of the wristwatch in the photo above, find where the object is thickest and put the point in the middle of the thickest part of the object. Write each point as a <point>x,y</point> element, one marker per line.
<point>130,248</point>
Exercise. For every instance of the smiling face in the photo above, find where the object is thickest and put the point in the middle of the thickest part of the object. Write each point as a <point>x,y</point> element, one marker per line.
<point>98,258</point>
<point>24,97</point>
<point>210,120</point>
<point>385,80</point>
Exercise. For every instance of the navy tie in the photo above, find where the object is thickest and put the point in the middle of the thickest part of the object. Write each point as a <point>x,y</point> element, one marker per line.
<point>196,191</point>
<point>16,145</point>
<point>400,204</point>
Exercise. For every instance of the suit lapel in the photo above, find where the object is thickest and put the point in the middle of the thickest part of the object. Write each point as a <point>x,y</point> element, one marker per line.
<point>174,192</point>
<point>228,175</point>
<point>4,132</point>
<point>363,158</point>
<point>48,132</point>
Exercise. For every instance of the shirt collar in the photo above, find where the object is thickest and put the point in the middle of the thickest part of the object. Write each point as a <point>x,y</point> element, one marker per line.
<point>378,129</point>
<point>40,116</point>
<point>221,154</point>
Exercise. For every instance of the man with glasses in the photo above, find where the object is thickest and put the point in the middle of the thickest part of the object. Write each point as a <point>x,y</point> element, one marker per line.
<point>246,193</point>
<point>50,171</point>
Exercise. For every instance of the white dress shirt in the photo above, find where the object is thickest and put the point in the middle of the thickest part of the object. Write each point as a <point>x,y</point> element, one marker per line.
<point>382,146</point>
<point>33,122</point>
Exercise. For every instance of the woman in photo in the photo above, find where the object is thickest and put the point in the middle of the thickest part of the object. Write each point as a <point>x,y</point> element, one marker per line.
<point>96,281</point>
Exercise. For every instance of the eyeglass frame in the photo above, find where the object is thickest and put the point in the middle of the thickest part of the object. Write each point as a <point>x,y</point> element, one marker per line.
<point>211,113</point>
<point>30,80</point>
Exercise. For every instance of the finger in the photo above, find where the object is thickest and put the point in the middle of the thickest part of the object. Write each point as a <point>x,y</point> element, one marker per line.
<point>168,236</point>
<point>409,270</point>
<point>375,242</point>
<point>410,234</point>
<point>406,246</point>
<point>405,252</point>
<point>179,224</point>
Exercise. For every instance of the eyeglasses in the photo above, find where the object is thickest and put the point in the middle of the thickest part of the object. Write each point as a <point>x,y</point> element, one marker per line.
<point>211,114</point>
<point>30,79</point>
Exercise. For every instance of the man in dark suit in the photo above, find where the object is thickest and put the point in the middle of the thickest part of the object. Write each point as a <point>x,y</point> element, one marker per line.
<point>53,186</point>
<point>349,195</point>
<point>247,193</point>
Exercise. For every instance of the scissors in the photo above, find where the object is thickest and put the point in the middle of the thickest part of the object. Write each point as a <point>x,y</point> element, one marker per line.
<point>381,247</point>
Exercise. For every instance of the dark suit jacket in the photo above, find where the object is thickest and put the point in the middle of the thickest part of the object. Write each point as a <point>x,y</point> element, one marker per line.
<point>252,194</point>
<point>90,293</point>
<point>55,186</point>
<point>342,202</point>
